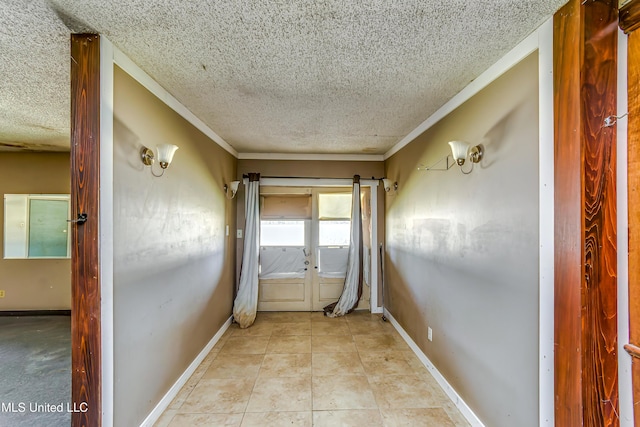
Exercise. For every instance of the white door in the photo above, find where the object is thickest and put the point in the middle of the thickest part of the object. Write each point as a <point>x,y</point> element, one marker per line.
<point>304,241</point>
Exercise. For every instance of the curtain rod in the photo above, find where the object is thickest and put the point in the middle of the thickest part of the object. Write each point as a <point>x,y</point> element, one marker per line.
<point>244,175</point>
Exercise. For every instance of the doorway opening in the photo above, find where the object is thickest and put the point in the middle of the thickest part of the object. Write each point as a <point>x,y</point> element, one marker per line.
<point>304,244</point>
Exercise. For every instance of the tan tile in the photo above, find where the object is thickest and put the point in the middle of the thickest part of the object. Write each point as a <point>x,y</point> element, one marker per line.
<point>285,316</point>
<point>222,396</point>
<point>223,339</point>
<point>319,316</point>
<point>165,418</point>
<point>286,365</point>
<point>245,345</point>
<point>363,316</point>
<point>332,344</point>
<point>336,364</point>
<point>277,419</point>
<point>416,417</point>
<point>289,344</point>
<point>296,328</point>
<point>209,420</point>
<point>182,395</point>
<point>281,394</point>
<point>235,366</point>
<point>456,416</point>
<point>385,363</point>
<point>415,363</point>
<point>258,329</point>
<point>187,388</point>
<point>367,328</point>
<point>347,418</point>
<point>342,392</point>
<point>327,328</point>
<point>210,357</point>
<point>366,343</point>
<point>404,391</point>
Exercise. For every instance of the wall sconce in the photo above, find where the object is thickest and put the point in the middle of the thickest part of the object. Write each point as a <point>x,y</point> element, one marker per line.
<point>165,155</point>
<point>461,151</point>
<point>233,186</point>
<point>388,185</point>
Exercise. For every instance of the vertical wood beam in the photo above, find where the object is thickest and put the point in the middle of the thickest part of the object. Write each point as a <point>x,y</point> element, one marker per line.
<point>568,218</point>
<point>585,61</point>
<point>86,381</point>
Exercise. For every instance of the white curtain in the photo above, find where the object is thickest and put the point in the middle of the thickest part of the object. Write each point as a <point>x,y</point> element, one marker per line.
<point>352,290</point>
<point>246,302</point>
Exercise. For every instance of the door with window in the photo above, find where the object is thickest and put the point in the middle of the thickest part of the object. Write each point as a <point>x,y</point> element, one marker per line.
<point>304,241</point>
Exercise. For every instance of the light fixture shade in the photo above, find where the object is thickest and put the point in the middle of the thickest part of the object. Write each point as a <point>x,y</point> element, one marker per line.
<point>234,186</point>
<point>459,150</point>
<point>165,154</point>
<point>387,183</point>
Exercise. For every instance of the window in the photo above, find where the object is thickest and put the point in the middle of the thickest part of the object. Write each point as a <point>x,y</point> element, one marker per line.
<point>334,214</point>
<point>334,233</point>
<point>35,226</point>
<point>282,233</point>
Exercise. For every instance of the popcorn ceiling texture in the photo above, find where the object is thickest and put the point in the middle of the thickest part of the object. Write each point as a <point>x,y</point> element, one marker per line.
<point>34,77</point>
<point>277,76</point>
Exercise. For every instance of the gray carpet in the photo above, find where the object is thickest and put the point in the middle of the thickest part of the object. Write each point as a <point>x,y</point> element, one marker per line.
<point>35,371</point>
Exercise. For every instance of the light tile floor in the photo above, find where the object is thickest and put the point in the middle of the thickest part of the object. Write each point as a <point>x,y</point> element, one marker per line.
<point>304,369</point>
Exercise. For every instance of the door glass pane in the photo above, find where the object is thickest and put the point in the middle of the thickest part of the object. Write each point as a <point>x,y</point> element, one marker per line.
<point>334,233</point>
<point>282,263</point>
<point>48,228</point>
<point>332,262</point>
<point>282,233</point>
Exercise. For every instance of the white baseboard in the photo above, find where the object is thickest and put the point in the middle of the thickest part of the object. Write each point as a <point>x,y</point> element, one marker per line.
<point>453,395</point>
<point>173,391</point>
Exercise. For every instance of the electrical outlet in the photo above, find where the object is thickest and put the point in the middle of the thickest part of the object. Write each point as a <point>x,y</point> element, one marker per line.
<point>1,294</point>
<point>430,334</point>
<point>239,233</point>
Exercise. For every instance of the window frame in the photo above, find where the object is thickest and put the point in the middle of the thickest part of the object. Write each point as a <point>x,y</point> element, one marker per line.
<point>25,214</point>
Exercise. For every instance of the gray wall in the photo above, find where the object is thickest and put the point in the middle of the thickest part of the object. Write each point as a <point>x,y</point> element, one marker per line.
<point>173,264</point>
<point>462,250</point>
<point>34,284</point>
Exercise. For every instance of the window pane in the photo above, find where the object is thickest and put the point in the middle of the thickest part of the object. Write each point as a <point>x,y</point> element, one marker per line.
<point>334,205</point>
<point>334,233</point>
<point>48,228</point>
<point>282,233</point>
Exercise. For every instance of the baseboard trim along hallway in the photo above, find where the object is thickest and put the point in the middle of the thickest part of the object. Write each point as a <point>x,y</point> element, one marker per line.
<point>464,409</point>
<point>177,386</point>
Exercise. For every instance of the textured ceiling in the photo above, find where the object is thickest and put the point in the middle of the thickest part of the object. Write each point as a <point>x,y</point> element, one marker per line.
<point>279,76</point>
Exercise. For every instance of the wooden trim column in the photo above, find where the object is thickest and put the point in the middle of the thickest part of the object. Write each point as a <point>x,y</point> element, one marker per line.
<point>586,365</point>
<point>86,380</point>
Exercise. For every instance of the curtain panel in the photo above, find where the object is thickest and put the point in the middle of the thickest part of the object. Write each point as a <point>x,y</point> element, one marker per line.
<point>245,305</point>
<point>352,290</point>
